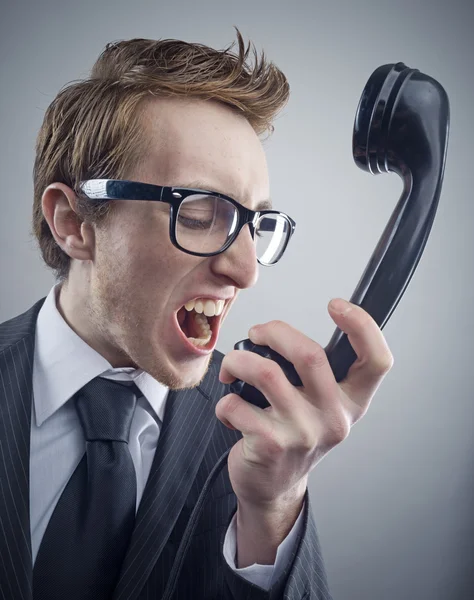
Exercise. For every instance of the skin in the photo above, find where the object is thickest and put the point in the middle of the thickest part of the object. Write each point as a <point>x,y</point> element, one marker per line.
<point>127,280</point>
<point>281,444</point>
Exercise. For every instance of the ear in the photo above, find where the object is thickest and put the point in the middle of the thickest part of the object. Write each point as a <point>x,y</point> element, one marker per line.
<point>75,238</point>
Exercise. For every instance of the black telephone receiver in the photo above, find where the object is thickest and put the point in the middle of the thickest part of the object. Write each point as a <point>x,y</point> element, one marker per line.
<point>401,125</point>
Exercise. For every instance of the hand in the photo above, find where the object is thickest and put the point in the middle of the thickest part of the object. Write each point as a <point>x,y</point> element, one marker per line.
<point>282,443</point>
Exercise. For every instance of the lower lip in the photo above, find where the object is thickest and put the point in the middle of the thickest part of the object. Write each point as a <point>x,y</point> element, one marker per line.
<point>199,351</point>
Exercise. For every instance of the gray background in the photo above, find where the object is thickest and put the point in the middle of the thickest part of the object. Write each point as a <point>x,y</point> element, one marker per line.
<point>394,502</point>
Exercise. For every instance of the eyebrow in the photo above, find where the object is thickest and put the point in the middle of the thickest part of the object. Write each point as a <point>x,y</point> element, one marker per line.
<point>202,185</point>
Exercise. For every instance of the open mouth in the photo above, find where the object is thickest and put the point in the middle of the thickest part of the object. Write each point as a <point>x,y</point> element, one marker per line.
<point>200,331</point>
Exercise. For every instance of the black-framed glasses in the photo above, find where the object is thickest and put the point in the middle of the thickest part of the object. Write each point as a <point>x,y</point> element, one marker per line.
<point>202,222</point>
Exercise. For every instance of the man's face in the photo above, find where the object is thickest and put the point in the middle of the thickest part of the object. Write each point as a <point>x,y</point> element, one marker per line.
<point>138,279</point>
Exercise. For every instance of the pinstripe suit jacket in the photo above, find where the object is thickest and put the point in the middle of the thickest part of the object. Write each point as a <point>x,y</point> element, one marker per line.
<point>191,441</point>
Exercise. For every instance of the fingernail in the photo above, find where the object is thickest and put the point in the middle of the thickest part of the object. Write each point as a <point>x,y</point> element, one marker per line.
<point>341,306</point>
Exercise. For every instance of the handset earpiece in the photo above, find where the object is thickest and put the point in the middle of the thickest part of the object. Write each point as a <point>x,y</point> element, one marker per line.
<point>401,125</point>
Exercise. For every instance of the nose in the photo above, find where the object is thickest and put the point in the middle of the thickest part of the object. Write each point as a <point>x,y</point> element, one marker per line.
<point>239,261</point>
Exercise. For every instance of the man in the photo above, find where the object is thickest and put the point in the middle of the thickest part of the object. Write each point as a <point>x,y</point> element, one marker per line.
<point>110,387</point>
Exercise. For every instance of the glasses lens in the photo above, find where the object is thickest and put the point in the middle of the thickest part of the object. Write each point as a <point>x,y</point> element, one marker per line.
<point>205,223</point>
<point>272,234</point>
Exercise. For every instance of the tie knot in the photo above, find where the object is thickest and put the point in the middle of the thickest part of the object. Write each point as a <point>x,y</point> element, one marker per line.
<point>106,408</point>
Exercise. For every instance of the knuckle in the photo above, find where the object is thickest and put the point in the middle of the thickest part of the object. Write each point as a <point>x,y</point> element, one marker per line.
<point>314,358</point>
<point>270,373</point>
<point>382,363</point>
<point>306,441</point>
<point>338,430</point>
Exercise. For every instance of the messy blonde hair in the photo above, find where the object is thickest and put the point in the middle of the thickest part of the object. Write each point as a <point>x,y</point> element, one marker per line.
<point>92,128</point>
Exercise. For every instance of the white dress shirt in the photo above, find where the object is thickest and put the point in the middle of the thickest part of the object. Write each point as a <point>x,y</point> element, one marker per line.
<point>63,364</point>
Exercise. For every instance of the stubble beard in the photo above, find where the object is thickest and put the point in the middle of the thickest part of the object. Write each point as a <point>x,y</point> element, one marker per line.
<point>113,316</point>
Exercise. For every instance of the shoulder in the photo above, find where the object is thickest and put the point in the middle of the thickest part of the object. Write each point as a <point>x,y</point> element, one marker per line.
<point>20,327</point>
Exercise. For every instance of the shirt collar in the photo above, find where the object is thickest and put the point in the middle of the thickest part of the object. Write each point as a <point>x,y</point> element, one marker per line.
<point>64,363</point>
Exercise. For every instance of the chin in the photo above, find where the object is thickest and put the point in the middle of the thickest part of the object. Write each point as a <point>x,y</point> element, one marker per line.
<point>193,374</point>
<point>185,375</point>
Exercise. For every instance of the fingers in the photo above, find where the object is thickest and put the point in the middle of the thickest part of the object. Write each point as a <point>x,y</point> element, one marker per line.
<point>320,388</point>
<point>307,356</point>
<point>256,424</point>
<point>374,358</point>
<point>262,373</point>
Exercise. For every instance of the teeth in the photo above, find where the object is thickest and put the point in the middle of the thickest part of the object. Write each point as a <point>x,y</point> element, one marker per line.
<point>202,322</point>
<point>204,307</point>
<point>200,341</point>
<point>210,308</point>
<point>203,328</point>
<point>207,306</point>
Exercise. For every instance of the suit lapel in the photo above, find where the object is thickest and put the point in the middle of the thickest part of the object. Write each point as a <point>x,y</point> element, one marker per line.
<point>17,339</point>
<point>188,425</point>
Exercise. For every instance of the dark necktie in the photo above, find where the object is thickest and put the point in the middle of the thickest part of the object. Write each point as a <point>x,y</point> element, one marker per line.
<point>87,536</point>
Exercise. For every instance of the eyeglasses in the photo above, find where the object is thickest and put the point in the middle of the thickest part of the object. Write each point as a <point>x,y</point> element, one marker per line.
<point>203,223</point>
